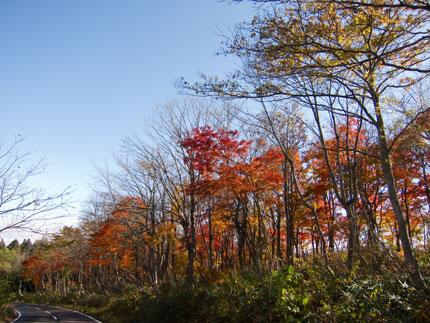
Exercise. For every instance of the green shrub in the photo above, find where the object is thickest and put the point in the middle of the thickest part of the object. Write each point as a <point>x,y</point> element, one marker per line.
<point>6,290</point>
<point>381,301</point>
<point>308,293</point>
<point>294,299</point>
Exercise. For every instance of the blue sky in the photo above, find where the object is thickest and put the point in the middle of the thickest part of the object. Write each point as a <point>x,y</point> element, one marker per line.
<point>76,76</point>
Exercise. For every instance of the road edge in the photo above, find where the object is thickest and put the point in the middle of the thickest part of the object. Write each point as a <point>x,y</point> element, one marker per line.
<point>65,308</point>
<point>58,307</point>
<point>19,315</point>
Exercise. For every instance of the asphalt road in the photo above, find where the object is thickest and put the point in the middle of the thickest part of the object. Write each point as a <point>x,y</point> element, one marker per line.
<point>41,313</point>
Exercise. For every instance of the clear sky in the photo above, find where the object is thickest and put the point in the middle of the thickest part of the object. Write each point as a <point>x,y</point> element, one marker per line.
<point>76,76</point>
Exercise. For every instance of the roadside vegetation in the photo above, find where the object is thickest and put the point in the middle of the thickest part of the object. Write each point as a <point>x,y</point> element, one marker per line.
<point>307,292</point>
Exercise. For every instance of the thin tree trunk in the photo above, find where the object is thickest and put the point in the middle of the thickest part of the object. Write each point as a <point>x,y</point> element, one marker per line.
<point>394,199</point>
<point>210,255</point>
<point>352,237</point>
<point>290,222</point>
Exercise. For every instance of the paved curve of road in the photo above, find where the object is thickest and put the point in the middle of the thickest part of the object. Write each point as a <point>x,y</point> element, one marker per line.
<point>42,313</point>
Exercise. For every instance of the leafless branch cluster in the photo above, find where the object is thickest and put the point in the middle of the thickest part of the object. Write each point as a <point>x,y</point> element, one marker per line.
<point>23,206</point>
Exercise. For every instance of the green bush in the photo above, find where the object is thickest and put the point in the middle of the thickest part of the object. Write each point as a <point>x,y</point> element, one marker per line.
<point>311,294</point>
<point>308,293</point>
<point>6,290</point>
<point>294,299</point>
<point>7,295</point>
<point>382,301</point>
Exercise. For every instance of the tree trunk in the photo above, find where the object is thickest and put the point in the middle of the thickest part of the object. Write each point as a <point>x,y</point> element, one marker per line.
<point>352,238</point>
<point>395,203</point>
<point>210,255</point>
<point>191,251</point>
<point>290,222</point>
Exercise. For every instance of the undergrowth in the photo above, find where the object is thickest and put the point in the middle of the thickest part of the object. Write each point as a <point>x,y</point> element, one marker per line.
<point>305,293</point>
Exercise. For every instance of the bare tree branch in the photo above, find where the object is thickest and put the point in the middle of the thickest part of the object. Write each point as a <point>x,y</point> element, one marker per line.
<point>21,206</point>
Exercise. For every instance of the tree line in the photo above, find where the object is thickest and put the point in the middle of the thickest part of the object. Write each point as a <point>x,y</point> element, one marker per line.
<point>207,200</point>
<point>326,159</point>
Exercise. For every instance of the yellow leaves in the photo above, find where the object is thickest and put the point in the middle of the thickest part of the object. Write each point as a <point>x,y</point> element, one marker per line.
<point>147,165</point>
<point>325,34</point>
<point>407,82</point>
<point>161,233</point>
<point>167,229</point>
